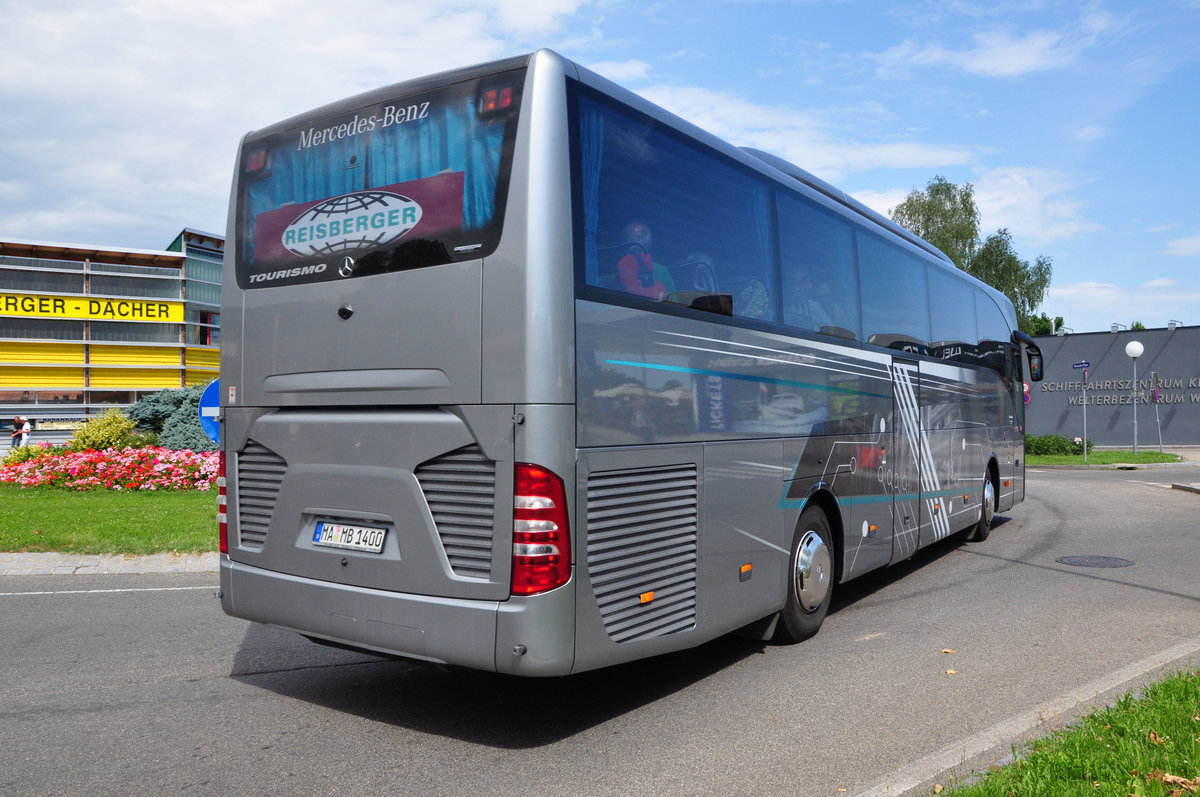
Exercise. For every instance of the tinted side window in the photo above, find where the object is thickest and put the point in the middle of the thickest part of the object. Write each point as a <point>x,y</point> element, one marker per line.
<point>952,315</point>
<point>666,220</point>
<point>894,297</point>
<point>820,278</point>
<point>993,332</point>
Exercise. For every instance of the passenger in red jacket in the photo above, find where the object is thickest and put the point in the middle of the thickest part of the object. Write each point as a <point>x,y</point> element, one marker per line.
<point>640,275</point>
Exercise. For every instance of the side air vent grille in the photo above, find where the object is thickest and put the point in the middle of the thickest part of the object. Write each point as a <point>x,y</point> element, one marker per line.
<point>260,474</point>
<point>641,550</point>
<point>460,488</point>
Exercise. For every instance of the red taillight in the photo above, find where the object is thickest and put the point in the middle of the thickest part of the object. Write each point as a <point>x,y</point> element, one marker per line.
<point>222,521</point>
<point>541,535</point>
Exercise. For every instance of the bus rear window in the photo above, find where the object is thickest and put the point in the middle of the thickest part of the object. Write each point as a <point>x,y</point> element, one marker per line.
<point>404,183</point>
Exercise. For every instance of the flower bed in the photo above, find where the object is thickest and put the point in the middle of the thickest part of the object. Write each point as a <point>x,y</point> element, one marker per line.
<point>150,468</point>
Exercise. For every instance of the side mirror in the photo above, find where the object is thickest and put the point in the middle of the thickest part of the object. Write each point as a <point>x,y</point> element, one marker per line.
<point>1035,364</point>
<point>1032,352</point>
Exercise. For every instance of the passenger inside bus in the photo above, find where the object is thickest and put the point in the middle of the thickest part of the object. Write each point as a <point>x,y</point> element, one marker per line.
<point>639,274</point>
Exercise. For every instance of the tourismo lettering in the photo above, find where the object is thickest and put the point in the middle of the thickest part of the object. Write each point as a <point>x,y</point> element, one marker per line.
<point>392,115</point>
<point>287,273</point>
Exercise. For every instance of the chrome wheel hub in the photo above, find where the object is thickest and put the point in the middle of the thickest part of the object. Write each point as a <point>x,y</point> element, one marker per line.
<point>814,571</point>
<point>989,502</point>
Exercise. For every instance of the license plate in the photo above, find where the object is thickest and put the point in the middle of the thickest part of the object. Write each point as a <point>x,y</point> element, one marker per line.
<point>355,538</point>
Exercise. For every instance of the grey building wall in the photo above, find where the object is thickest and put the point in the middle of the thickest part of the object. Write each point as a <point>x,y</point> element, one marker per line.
<point>1056,404</point>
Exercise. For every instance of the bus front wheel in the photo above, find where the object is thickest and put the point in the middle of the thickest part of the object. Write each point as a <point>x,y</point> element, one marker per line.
<point>987,509</point>
<point>810,577</point>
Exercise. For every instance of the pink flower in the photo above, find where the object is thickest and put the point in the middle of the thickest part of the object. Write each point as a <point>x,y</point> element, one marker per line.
<point>149,469</point>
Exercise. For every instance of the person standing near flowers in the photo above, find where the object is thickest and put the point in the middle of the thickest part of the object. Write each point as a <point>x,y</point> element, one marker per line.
<point>21,431</point>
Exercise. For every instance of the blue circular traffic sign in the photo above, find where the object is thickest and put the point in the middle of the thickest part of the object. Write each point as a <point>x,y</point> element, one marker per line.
<point>210,410</point>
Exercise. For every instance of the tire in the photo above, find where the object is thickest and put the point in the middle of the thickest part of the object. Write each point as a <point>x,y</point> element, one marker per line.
<point>987,509</point>
<point>811,575</point>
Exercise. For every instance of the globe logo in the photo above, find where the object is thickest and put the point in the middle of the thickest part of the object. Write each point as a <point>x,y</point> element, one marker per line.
<point>351,222</point>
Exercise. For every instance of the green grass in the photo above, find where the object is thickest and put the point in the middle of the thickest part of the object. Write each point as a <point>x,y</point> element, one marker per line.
<point>1105,457</point>
<point>1143,747</point>
<point>107,521</point>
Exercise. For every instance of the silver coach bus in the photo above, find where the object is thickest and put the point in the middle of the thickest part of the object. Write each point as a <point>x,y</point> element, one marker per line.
<point>523,373</point>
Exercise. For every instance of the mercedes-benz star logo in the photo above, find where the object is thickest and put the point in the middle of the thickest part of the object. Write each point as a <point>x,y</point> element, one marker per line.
<point>347,267</point>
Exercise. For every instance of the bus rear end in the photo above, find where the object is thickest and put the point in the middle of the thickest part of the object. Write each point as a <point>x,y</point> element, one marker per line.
<point>378,368</point>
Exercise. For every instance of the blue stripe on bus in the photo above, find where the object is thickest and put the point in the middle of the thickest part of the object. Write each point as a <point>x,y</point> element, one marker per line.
<point>679,369</point>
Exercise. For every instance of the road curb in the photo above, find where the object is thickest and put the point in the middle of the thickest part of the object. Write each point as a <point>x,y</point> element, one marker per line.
<point>969,756</point>
<point>68,564</point>
<point>1115,466</point>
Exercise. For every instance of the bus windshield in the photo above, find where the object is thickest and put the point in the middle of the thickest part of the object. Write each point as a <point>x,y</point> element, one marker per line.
<point>391,185</point>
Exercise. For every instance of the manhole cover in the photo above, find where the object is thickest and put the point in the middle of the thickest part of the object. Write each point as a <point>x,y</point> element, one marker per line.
<point>1093,561</point>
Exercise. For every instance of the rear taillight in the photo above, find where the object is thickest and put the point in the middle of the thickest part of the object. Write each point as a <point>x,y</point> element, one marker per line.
<point>541,535</point>
<point>222,516</point>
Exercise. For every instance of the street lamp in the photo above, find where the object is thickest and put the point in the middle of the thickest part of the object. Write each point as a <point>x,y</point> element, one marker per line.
<point>1134,349</point>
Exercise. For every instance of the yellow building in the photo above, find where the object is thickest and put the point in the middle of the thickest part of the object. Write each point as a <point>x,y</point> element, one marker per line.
<point>83,328</point>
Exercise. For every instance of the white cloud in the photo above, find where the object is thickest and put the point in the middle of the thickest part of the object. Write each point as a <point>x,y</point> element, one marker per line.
<point>1187,247</point>
<point>882,201</point>
<point>1002,53</point>
<point>532,17</point>
<point>807,140</point>
<point>1037,204</point>
<point>1090,133</point>
<point>995,54</point>
<point>1094,306</point>
<point>621,71</point>
<point>124,143</point>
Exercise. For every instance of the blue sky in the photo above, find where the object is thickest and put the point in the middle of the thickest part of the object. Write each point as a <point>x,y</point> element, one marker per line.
<point>1075,122</point>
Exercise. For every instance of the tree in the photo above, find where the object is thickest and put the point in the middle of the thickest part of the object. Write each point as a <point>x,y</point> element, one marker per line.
<point>945,215</point>
<point>997,264</point>
<point>1136,326</point>
<point>1044,325</point>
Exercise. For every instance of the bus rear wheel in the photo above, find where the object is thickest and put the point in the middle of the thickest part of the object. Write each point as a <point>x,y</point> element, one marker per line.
<point>987,510</point>
<point>810,578</point>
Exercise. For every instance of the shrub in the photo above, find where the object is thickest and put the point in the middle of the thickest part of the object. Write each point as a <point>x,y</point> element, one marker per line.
<point>175,416</point>
<point>152,411</point>
<point>110,430</point>
<point>25,453</point>
<point>1054,445</point>
<point>183,432</point>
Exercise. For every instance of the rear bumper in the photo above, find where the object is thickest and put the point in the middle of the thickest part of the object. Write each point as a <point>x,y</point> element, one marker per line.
<point>441,630</point>
<point>466,633</point>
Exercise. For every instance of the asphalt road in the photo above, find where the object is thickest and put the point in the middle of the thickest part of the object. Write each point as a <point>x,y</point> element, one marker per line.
<point>139,684</point>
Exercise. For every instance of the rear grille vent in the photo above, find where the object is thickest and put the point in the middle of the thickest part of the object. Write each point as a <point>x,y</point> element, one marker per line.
<point>641,539</point>
<point>260,474</point>
<point>460,488</point>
